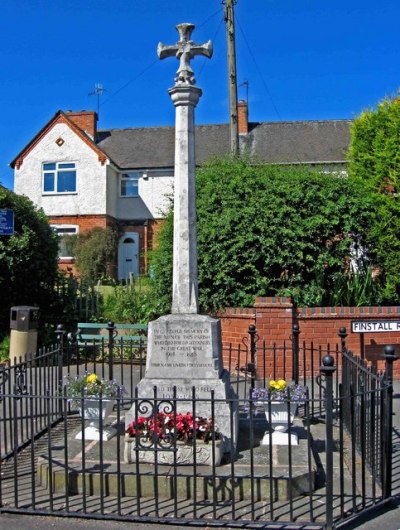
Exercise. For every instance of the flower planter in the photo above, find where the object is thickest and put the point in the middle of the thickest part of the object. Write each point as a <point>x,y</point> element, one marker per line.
<point>91,411</point>
<point>279,418</point>
<point>184,453</point>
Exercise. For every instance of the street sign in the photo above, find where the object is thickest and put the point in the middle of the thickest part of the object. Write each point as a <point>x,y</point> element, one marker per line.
<point>6,222</point>
<point>375,326</point>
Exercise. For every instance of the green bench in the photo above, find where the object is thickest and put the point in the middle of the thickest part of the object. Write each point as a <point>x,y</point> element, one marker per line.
<point>89,332</point>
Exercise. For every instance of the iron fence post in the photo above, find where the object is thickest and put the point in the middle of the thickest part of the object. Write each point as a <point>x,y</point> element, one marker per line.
<point>251,367</point>
<point>342,334</point>
<point>60,333</point>
<point>327,369</point>
<point>111,330</point>
<point>389,356</point>
<point>295,353</point>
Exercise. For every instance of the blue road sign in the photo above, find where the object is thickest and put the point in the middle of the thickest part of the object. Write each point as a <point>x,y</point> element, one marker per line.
<point>6,222</point>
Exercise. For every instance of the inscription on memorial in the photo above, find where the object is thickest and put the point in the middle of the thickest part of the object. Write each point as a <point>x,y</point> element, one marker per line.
<point>184,391</point>
<point>182,348</point>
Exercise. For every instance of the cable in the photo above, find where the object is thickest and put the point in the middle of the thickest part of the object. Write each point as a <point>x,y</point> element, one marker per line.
<point>156,61</point>
<point>209,18</point>
<point>129,82</point>
<point>213,40</point>
<point>258,69</point>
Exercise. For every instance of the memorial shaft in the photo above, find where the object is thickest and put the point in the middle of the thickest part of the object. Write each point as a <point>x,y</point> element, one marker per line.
<point>185,97</point>
<point>185,284</point>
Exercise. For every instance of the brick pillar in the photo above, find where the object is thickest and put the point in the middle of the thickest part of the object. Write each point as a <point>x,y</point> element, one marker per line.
<point>274,323</point>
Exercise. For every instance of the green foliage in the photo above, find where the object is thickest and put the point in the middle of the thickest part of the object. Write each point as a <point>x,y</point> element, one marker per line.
<point>374,153</point>
<point>161,266</point>
<point>265,230</point>
<point>95,252</point>
<point>358,288</point>
<point>28,259</point>
<point>5,349</point>
<point>374,158</point>
<point>129,303</point>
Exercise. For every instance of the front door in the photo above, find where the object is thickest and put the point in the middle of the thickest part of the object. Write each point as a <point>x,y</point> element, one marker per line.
<point>128,255</point>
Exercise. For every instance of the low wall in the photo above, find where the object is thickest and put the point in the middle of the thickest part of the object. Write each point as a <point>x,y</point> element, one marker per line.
<point>274,318</point>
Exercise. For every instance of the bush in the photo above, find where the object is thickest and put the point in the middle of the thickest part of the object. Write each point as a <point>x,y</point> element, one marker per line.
<point>5,349</point>
<point>95,252</point>
<point>129,303</point>
<point>28,259</point>
<point>374,159</point>
<point>268,230</point>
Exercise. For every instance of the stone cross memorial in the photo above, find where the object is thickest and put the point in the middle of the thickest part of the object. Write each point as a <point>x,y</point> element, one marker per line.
<point>184,348</point>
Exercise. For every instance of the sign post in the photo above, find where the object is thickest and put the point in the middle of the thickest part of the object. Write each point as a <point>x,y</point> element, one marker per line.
<point>375,326</point>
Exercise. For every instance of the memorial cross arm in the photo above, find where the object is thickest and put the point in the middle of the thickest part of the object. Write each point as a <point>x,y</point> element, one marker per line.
<point>185,50</point>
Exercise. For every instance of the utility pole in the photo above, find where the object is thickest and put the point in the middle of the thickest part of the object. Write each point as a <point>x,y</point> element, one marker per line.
<point>232,78</point>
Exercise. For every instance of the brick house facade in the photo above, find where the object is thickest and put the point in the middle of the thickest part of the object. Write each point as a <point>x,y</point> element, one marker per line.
<point>83,177</point>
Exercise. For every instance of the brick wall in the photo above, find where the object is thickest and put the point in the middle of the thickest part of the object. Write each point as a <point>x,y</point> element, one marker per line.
<point>85,120</point>
<point>274,318</point>
<point>85,222</point>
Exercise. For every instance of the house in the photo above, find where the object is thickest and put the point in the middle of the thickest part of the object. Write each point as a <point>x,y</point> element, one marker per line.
<point>83,178</point>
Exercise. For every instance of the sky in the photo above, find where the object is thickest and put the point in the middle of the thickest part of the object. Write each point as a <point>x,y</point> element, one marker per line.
<point>302,59</point>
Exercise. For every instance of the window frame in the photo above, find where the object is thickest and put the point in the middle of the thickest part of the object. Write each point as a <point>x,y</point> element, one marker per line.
<point>144,174</point>
<point>125,177</point>
<point>58,168</point>
<point>57,227</point>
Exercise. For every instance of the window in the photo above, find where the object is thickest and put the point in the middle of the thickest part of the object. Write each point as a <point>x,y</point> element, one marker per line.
<point>130,184</point>
<point>66,239</point>
<point>59,177</point>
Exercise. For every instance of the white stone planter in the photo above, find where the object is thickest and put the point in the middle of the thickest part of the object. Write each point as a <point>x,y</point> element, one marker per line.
<point>91,411</point>
<point>279,417</point>
<point>184,453</point>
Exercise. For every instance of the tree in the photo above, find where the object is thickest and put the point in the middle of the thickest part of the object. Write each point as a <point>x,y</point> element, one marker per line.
<point>268,230</point>
<point>28,258</point>
<point>374,159</point>
<point>374,154</point>
<point>95,252</point>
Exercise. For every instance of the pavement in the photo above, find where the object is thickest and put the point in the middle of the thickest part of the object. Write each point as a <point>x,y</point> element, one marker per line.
<point>386,518</point>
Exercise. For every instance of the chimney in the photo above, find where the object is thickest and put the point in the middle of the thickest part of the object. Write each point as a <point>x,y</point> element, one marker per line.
<point>243,114</point>
<point>85,120</point>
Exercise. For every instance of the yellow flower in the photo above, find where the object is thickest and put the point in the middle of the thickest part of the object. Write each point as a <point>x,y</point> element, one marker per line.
<point>278,386</point>
<point>91,379</point>
<point>282,384</point>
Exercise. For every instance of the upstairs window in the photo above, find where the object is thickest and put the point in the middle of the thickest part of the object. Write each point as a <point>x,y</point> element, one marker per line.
<point>59,177</point>
<point>130,184</point>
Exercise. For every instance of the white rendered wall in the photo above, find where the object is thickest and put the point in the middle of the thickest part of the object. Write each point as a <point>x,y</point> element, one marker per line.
<point>112,191</point>
<point>154,191</point>
<point>152,202</point>
<point>90,197</point>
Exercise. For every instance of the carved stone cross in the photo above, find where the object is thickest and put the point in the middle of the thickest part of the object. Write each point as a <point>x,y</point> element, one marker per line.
<point>185,50</point>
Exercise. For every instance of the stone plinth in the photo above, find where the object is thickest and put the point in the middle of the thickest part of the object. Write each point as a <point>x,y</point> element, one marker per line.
<point>184,352</point>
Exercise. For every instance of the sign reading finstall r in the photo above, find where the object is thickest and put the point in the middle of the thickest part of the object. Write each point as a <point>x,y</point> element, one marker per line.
<point>375,326</point>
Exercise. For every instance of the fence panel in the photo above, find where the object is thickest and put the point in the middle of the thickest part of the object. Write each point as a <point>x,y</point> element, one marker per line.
<point>50,463</point>
<point>28,399</point>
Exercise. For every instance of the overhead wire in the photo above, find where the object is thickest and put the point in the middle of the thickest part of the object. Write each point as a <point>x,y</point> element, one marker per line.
<point>258,69</point>
<point>129,82</point>
<point>151,65</point>
<point>213,40</point>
